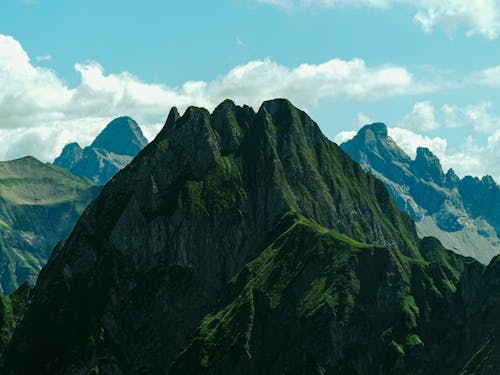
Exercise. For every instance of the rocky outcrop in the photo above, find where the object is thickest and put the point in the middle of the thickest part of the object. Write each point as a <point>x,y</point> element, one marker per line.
<point>113,149</point>
<point>463,213</point>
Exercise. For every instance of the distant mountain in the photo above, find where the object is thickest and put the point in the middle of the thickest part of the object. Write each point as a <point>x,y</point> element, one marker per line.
<point>463,213</point>
<point>242,242</point>
<point>39,205</point>
<point>113,149</point>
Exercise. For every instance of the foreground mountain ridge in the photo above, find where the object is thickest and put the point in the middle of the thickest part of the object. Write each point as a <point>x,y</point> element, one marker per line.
<point>39,205</point>
<point>113,149</point>
<point>463,213</point>
<point>247,242</point>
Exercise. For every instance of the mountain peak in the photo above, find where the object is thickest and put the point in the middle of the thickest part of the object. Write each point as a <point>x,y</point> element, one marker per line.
<point>276,105</point>
<point>116,145</point>
<point>451,178</point>
<point>428,166</point>
<point>121,136</point>
<point>378,129</point>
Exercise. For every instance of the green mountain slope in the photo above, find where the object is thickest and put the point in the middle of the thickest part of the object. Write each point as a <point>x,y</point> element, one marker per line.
<point>316,302</point>
<point>243,242</point>
<point>39,205</point>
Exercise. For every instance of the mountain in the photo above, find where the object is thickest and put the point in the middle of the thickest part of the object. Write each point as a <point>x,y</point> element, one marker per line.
<point>463,213</point>
<point>113,149</point>
<point>243,242</point>
<point>39,205</point>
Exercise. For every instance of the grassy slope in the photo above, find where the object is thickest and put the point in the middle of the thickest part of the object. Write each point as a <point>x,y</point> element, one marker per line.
<point>302,305</point>
<point>39,204</point>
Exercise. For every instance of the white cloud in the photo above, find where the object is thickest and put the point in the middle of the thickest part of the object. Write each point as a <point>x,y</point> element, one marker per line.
<point>421,118</point>
<point>34,100</point>
<point>344,136</point>
<point>362,119</point>
<point>487,77</point>
<point>409,141</point>
<point>478,17</point>
<point>425,117</point>
<point>476,116</point>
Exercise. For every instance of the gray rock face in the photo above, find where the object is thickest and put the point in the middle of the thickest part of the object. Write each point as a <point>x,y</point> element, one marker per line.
<point>463,213</point>
<point>113,149</point>
<point>150,257</point>
<point>122,136</point>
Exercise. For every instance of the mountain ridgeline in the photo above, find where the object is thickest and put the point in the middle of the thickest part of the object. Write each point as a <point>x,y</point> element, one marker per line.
<point>463,213</point>
<point>39,205</point>
<point>113,149</point>
<point>246,242</point>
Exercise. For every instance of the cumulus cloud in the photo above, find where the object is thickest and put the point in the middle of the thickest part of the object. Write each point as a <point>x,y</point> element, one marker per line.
<point>344,136</point>
<point>362,119</point>
<point>409,141</point>
<point>421,117</point>
<point>35,101</point>
<point>425,117</point>
<point>476,116</point>
<point>477,17</point>
<point>487,77</point>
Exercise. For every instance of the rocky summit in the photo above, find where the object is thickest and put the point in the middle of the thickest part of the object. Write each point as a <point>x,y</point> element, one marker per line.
<point>113,149</point>
<point>246,242</point>
<point>463,213</point>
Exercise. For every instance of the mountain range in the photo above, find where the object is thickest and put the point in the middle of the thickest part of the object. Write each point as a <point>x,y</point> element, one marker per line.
<point>113,149</point>
<point>463,213</point>
<point>40,203</point>
<point>247,242</point>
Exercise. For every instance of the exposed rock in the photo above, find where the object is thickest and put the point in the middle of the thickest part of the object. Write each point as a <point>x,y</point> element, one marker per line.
<point>113,149</point>
<point>463,213</point>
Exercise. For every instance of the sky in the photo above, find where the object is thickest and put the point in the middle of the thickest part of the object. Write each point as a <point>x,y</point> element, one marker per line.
<point>429,69</point>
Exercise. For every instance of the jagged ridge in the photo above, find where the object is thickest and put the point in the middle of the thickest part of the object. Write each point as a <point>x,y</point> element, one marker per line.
<point>182,219</point>
<point>463,213</point>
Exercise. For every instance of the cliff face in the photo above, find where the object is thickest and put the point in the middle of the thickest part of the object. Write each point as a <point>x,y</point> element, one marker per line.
<point>39,205</point>
<point>463,213</point>
<point>113,149</point>
<point>248,242</point>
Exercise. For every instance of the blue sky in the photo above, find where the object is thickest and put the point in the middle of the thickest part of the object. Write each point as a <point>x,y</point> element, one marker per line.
<point>427,68</point>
